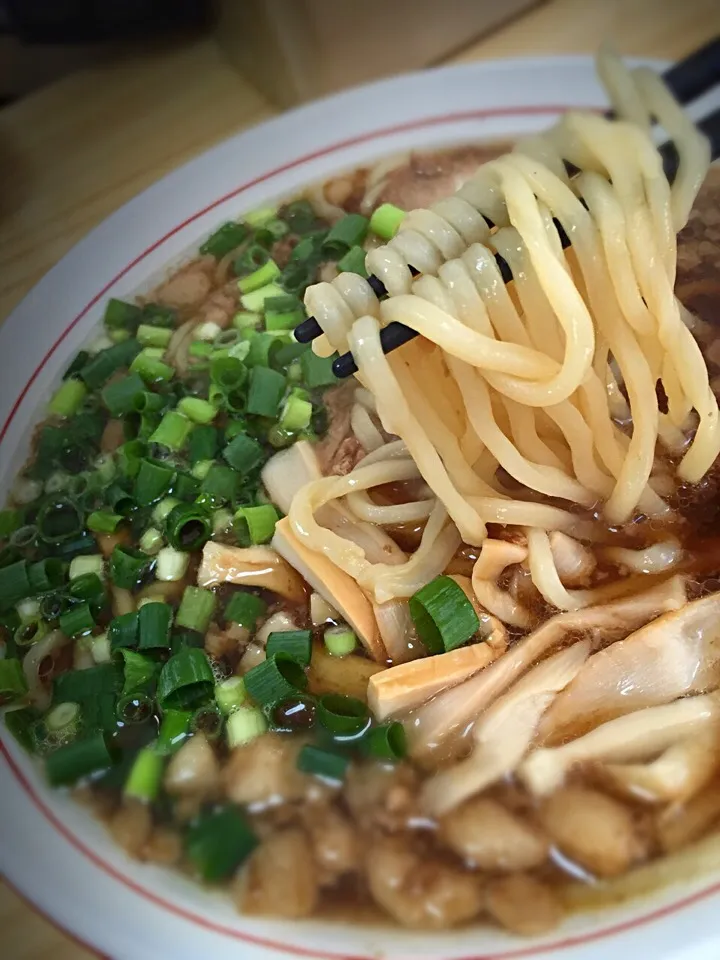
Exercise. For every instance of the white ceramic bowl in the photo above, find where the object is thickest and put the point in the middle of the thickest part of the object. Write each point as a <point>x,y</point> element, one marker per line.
<point>51,850</point>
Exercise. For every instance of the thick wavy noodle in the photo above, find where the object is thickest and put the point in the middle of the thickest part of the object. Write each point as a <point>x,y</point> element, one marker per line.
<point>533,405</point>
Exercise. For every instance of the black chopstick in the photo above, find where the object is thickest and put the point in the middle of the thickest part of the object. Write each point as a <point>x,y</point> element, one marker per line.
<point>395,334</point>
<point>687,80</point>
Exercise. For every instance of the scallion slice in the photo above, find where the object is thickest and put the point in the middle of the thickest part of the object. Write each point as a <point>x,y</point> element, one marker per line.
<point>63,720</point>
<point>354,261</point>
<point>276,678</point>
<point>283,313</point>
<point>259,269</point>
<point>59,519</point>
<point>265,391</point>
<point>296,413</point>
<point>218,842</point>
<point>154,623</point>
<point>342,715</point>
<point>339,641</point>
<point>103,521</point>
<point>185,680</point>
<point>328,764</point>
<point>123,631</point>
<point>171,565</point>
<point>68,398</point>
<point>317,371</point>
<point>143,782</point>
<point>128,566</point>
<point>254,301</point>
<point>174,729</point>
<point>443,616</point>
<point>120,315</point>
<point>246,609</point>
<point>230,694</point>
<point>188,527</point>
<point>295,644</point>
<point>120,396</point>
<point>243,454</point>
<point>225,239</point>
<point>255,525</point>
<point>172,431</point>
<point>134,708</point>
<point>385,221</point>
<point>385,742</point>
<point>104,364</point>
<point>208,720</point>
<point>196,609</point>
<point>198,410</point>
<point>244,724</point>
<point>77,620</point>
<point>152,482</point>
<point>78,759</point>
<point>13,684</point>
<point>151,370</point>
<point>348,232</point>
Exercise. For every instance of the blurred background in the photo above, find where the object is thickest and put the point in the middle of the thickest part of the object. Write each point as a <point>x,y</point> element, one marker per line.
<point>100,98</point>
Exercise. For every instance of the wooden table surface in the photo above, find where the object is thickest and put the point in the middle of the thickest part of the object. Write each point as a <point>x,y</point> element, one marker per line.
<point>77,150</point>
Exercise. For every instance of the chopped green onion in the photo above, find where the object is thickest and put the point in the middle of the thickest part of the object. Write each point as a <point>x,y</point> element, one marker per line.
<point>186,487</point>
<point>118,336</point>
<point>228,373</point>
<point>171,565</point>
<point>261,216</point>
<point>258,267</point>
<point>327,764</point>
<point>47,574</point>
<point>174,729</point>
<point>14,584</point>
<point>245,608</point>
<point>339,641</point>
<point>385,220</point>
<point>348,232</point>
<point>77,620</point>
<point>78,759</point>
<point>89,587</point>
<point>265,392</point>
<point>68,398</point>
<point>103,521</point>
<point>20,724</point>
<point>128,566</point>
<point>123,631</point>
<point>119,500</point>
<point>149,336</point>
<point>255,525</point>
<point>295,644</point>
<point>25,536</point>
<point>300,216</point>
<point>225,239</point>
<point>206,332</point>
<point>158,315</point>
<point>147,402</point>
<point>13,684</point>
<point>221,521</point>
<point>203,444</point>
<point>120,315</point>
<point>100,648</point>
<point>254,301</point>
<point>385,742</point>
<point>244,724</point>
<point>59,519</point>
<point>283,313</point>
<point>317,371</point>
<point>164,509</point>
<point>152,482</point>
<point>150,542</point>
<point>10,520</point>
<point>135,707</point>
<point>197,410</point>
<point>188,527</point>
<point>443,616</point>
<point>230,694</point>
<point>296,414</point>
<point>265,348</point>
<point>151,369</point>
<point>172,431</point>
<point>63,720</point>
<point>154,622</point>
<point>120,396</point>
<point>130,456</point>
<point>52,605</point>
<point>243,454</point>
<point>207,720</point>
<point>196,609</point>
<point>28,609</point>
<point>276,678</point>
<point>185,679</point>
<point>104,364</point>
<point>92,563</point>
<point>354,262</point>
<point>342,715</point>
<point>145,777</point>
<point>246,321</point>
<point>30,631</point>
<point>218,842</point>
<point>201,469</point>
